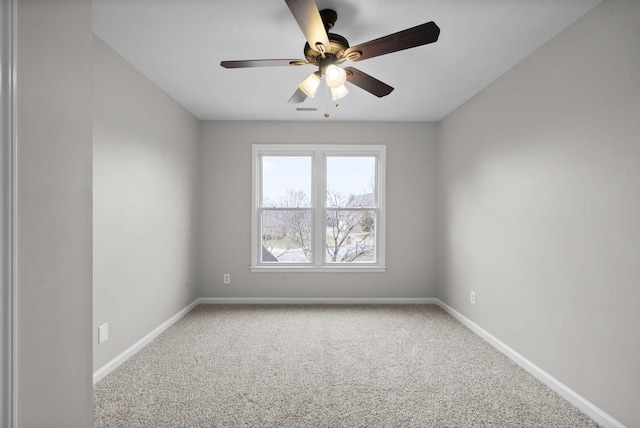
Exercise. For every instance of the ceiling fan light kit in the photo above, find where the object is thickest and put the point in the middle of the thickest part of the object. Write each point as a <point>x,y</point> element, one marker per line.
<point>330,50</point>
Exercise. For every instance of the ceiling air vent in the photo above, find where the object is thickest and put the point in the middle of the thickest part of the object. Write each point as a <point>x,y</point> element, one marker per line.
<point>307,109</point>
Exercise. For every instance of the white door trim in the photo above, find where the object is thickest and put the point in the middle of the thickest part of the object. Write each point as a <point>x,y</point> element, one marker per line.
<point>7,217</point>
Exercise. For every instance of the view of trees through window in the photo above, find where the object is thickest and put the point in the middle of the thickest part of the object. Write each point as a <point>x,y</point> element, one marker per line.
<point>349,209</point>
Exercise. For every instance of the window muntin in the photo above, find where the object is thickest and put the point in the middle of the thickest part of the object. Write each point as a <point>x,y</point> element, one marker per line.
<point>318,207</point>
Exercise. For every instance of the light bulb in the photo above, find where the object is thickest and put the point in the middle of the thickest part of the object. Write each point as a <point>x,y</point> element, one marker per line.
<point>336,76</point>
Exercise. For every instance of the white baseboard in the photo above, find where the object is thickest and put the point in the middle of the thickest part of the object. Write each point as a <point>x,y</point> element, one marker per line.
<point>124,356</point>
<point>561,389</point>
<point>568,394</point>
<point>314,301</point>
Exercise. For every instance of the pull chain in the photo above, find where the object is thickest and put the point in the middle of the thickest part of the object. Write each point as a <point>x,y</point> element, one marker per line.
<point>326,101</point>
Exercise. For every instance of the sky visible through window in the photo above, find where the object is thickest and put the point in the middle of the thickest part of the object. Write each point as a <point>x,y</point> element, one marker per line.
<point>351,175</point>
<point>280,174</point>
<point>348,175</point>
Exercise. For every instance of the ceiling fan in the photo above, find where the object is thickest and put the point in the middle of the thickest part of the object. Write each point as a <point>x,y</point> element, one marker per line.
<point>328,50</point>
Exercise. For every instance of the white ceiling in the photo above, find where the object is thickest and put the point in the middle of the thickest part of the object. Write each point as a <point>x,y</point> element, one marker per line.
<point>179,44</point>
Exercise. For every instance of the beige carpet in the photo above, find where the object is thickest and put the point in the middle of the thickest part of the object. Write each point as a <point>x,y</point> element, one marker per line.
<point>325,366</point>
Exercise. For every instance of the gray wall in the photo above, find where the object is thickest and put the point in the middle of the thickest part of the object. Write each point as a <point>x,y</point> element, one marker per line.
<point>226,210</point>
<point>539,208</point>
<point>145,189</point>
<point>54,214</point>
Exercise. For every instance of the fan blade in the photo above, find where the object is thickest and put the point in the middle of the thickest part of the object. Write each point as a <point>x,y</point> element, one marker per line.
<point>298,97</point>
<point>262,63</point>
<point>368,83</point>
<point>405,39</point>
<point>308,17</point>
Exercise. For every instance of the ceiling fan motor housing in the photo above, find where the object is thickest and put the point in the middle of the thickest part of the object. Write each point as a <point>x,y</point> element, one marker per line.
<point>333,54</point>
<point>337,49</point>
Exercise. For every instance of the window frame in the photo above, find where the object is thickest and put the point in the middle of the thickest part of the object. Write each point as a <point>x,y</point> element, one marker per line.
<point>318,154</point>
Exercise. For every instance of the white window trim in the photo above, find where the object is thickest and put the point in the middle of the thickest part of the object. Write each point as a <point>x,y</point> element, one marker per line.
<point>318,184</point>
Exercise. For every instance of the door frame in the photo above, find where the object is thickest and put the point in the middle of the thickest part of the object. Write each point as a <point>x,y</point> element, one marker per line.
<point>8,19</point>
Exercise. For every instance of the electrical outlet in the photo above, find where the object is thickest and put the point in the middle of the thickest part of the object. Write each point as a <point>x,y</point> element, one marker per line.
<point>473,297</point>
<point>227,278</point>
<point>103,333</point>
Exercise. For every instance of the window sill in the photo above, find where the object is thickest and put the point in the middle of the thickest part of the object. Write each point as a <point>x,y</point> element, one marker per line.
<point>319,269</point>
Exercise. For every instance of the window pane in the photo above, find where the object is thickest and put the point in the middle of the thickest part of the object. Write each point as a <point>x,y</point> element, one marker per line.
<point>286,181</point>
<point>351,181</point>
<point>286,236</point>
<point>350,236</point>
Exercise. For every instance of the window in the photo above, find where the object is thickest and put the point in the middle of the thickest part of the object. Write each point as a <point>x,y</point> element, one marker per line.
<point>318,207</point>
